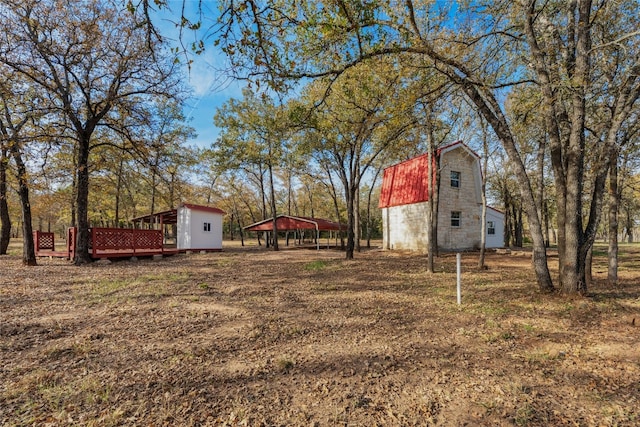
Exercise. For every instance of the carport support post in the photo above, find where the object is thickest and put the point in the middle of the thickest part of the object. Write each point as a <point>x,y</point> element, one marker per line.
<point>458,273</point>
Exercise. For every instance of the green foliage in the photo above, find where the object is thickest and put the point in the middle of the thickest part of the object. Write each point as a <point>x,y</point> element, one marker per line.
<point>316,265</point>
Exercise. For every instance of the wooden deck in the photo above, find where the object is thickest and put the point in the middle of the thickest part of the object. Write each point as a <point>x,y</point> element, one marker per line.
<point>107,243</point>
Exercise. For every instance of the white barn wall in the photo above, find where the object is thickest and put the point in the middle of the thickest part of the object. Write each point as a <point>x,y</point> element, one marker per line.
<point>409,225</point>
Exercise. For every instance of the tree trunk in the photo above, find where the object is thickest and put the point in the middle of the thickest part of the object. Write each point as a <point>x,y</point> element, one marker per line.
<point>431,217</point>
<point>357,224</point>
<point>588,277</point>
<point>118,191</point>
<point>369,220</point>
<point>82,203</point>
<point>152,207</point>
<point>501,127</point>
<point>5,219</point>
<point>483,216</point>
<point>547,238</point>
<point>436,206</point>
<point>273,205</point>
<point>239,224</point>
<point>351,195</point>
<point>28,248</point>
<point>74,188</point>
<point>519,226</point>
<point>629,226</point>
<point>334,197</point>
<point>612,273</point>
<point>506,201</point>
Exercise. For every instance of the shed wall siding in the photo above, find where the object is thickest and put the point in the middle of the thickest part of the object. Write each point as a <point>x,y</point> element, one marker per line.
<point>191,234</point>
<point>495,240</point>
<point>184,228</point>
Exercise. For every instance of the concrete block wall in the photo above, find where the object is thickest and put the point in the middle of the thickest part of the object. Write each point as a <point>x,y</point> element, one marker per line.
<point>405,227</point>
<point>465,199</point>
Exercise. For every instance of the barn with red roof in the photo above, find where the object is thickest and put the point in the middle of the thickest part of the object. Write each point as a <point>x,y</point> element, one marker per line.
<point>404,202</point>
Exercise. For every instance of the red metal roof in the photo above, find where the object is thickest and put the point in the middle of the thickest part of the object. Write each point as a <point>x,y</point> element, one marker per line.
<point>286,222</point>
<point>171,216</point>
<point>407,182</point>
<point>203,208</point>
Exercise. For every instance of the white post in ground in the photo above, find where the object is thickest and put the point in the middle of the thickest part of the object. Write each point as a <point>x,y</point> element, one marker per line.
<point>458,270</point>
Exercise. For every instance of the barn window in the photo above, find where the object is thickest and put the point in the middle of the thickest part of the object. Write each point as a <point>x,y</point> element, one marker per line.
<point>207,226</point>
<point>491,227</point>
<point>455,218</point>
<point>455,179</point>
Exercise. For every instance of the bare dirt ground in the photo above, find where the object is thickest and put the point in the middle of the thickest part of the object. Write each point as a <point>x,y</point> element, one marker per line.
<point>306,338</point>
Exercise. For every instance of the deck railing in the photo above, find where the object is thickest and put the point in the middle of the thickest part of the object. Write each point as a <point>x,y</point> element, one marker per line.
<point>107,242</point>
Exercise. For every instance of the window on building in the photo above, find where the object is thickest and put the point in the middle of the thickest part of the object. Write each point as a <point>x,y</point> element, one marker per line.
<point>455,179</point>
<point>207,226</point>
<point>491,227</point>
<point>455,218</point>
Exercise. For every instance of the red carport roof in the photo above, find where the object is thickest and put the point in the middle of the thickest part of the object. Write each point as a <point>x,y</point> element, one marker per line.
<point>287,222</point>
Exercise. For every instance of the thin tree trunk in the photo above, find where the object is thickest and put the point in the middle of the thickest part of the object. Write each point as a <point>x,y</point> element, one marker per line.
<point>508,226</point>
<point>74,197</point>
<point>432,218</point>
<point>334,197</point>
<point>118,191</point>
<point>152,207</point>
<point>520,228</point>
<point>5,219</point>
<point>28,248</point>
<point>483,216</point>
<point>629,226</point>
<point>547,238</point>
<point>369,220</point>
<point>612,272</point>
<point>357,228</point>
<point>588,277</point>
<point>436,205</point>
<point>273,205</point>
<point>350,191</point>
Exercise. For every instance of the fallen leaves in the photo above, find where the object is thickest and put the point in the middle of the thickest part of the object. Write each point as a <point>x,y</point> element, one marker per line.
<point>248,337</point>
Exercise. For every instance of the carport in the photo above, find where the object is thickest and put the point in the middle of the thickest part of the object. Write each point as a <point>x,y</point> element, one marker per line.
<point>292,223</point>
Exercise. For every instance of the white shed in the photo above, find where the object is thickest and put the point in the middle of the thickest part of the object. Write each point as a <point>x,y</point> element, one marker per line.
<point>187,228</point>
<point>199,228</point>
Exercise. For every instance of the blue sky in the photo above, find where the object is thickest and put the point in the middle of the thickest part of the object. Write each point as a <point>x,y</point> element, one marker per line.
<point>211,87</point>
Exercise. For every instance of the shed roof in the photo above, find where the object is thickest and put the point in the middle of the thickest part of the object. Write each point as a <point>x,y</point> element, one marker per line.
<point>288,222</point>
<point>171,216</point>
<point>407,182</point>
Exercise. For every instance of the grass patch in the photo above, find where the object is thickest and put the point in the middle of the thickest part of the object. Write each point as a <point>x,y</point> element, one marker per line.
<point>316,265</point>
<point>170,277</point>
<point>284,364</point>
<point>106,288</point>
